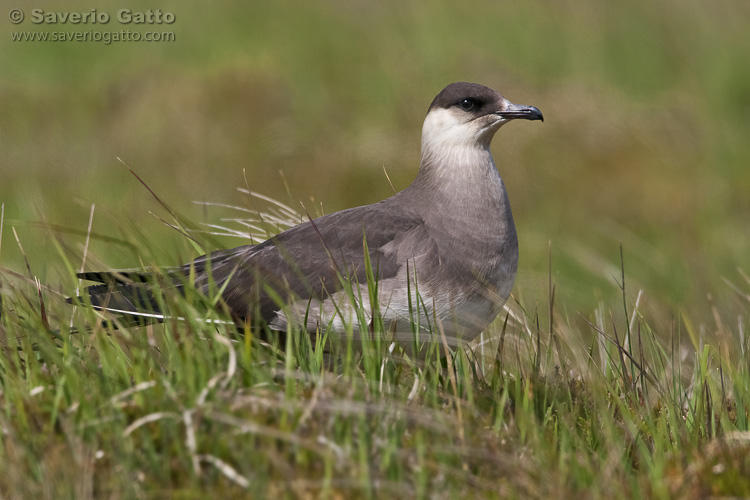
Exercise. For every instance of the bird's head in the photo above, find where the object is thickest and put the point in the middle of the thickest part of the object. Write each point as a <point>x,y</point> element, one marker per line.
<point>467,115</point>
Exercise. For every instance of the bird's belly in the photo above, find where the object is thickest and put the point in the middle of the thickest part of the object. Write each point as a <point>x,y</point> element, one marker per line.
<point>463,318</point>
<point>456,317</point>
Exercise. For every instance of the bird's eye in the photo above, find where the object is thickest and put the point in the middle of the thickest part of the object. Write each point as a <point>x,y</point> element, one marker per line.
<point>466,104</point>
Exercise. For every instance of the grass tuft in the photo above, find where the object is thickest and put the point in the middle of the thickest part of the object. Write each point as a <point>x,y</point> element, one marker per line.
<point>617,409</point>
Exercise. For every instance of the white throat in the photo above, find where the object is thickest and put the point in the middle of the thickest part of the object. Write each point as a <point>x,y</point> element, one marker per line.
<point>452,146</point>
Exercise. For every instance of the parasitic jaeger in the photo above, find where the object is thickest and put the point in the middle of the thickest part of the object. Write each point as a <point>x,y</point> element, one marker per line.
<point>444,249</point>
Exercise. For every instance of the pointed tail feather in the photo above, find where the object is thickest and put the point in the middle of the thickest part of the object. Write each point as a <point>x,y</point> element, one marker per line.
<point>135,295</point>
<point>135,303</point>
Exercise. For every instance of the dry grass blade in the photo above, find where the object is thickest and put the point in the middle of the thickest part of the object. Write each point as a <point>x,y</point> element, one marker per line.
<point>2,224</point>
<point>246,426</point>
<point>190,441</point>
<point>389,179</point>
<point>129,392</point>
<point>151,417</point>
<point>23,254</point>
<point>42,307</point>
<point>86,243</point>
<point>501,345</point>
<point>285,208</point>
<point>225,469</point>
<point>156,197</point>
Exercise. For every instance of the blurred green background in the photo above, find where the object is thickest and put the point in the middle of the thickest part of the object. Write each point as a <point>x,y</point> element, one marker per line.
<point>645,139</point>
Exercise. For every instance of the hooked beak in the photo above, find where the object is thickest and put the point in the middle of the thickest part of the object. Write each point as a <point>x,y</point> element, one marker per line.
<point>513,111</point>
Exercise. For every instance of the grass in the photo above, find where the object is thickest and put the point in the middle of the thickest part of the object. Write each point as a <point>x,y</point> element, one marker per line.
<point>192,408</point>
<point>596,391</point>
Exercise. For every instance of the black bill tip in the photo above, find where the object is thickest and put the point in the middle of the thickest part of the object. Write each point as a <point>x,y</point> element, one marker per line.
<point>514,111</point>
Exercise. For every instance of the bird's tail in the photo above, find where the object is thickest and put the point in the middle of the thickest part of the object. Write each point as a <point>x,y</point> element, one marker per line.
<point>133,296</point>
<point>137,296</point>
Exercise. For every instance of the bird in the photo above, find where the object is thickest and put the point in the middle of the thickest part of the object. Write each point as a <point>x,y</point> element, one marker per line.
<point>441,254</point>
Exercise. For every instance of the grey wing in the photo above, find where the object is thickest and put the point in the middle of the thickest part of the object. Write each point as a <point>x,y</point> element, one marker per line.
<point>309,261</point>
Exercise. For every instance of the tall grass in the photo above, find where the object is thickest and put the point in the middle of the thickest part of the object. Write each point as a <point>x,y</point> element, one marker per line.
<point>193,407</point>
<point>595,383</point>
